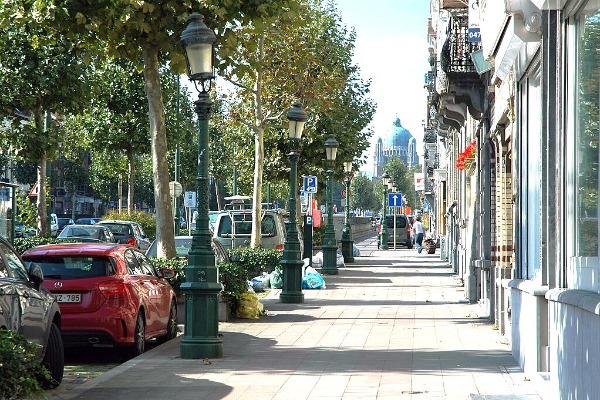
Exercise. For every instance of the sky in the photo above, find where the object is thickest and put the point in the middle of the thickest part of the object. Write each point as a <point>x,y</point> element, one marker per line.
<point>391,50</point>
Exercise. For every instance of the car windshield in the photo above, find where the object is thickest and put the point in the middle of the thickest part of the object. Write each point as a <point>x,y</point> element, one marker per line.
<point>66,267</point>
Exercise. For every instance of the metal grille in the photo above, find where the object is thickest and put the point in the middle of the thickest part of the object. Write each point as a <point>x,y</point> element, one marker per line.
<point>456,51</point>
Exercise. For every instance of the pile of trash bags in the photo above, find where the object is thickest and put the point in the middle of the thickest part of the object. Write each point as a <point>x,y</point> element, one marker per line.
<point>317,260</point>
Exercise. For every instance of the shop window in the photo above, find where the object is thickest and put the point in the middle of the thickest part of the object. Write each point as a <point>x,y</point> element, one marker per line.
<point>587,125</point>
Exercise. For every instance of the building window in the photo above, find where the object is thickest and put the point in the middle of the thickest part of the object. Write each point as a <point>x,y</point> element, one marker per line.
<point>587,121</point>
<point>531,173</point>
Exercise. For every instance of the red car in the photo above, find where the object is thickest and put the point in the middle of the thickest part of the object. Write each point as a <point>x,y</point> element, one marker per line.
<point>110,295</point>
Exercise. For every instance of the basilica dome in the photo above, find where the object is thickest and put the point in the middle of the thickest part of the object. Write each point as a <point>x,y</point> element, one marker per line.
<point>398,137</point>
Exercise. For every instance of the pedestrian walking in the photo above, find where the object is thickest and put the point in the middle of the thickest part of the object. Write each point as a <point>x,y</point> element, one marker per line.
<point>419,231</point>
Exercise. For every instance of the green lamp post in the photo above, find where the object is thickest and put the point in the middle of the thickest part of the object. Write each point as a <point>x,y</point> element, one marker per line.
<point>201,287</point>
<point>347,242</point>
<point>291,291</point>
<point>385,178</point>
<point>329,242</point>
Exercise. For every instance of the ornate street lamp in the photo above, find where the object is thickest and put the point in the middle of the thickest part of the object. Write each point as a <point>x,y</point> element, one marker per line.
<point>329,242</point>
<point>291,291</point>
<point>385,178</point>
<point>347,242</point>
<point>201,287</point>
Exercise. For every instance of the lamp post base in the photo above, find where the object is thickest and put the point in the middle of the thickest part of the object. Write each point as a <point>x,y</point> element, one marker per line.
<point>329,259</point>
<point>348,250</point>
<point>201,337</point>
<point>292,282</point>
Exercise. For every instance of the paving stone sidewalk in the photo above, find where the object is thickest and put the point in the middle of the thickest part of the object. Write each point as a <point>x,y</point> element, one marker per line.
<point>393,325</point>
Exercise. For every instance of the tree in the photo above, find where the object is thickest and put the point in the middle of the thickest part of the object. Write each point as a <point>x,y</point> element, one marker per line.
<point>363,194</point>
<point>42,79</point>
<point>304,53</point>
<point>145,33</point>
<point>404,179</point>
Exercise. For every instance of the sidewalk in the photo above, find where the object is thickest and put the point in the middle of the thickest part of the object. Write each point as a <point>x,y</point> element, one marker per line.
<point>393,325</point>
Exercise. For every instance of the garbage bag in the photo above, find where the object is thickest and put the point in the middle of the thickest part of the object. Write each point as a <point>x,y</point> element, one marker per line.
<point>355,251</point>
<point>317,259</point>
<point>261,283</point>
<point>249,306</point>
<point>313,280</point>
<point>276,279</point>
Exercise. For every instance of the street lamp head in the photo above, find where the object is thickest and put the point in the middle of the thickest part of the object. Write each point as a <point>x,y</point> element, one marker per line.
<point>331,146</point>
<point>348,167</point>
<point>197,41</point>
<point>390,184</point>
<point>385,179</point>
<point>297,118</point>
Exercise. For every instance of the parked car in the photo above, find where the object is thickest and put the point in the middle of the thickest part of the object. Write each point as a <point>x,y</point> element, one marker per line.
<point>87,233</point>
<point>233,228</point>
<point>23,231</point>
<point>128,232</point>
<point>404,236</point>
<point>62,222</point>
<point>53,225</point>
<point>28,308</point>
<point>87,221</point>
<point>183,244</point>
<point>109,294</point>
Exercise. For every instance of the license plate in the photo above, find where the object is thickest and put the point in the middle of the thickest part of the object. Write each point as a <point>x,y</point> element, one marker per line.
<point>68,297</point>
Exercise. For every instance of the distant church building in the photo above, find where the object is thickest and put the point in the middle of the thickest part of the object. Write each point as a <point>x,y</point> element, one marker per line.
<point>398,143</point>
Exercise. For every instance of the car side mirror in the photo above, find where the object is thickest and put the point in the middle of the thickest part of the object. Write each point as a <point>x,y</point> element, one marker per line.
<point>35,273</point>
<point>168,273</point>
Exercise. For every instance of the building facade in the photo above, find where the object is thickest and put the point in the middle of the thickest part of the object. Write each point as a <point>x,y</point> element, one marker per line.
<point>516,119</point>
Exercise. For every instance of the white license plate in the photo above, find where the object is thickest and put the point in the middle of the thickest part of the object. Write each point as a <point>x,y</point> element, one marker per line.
<point>68,297</point>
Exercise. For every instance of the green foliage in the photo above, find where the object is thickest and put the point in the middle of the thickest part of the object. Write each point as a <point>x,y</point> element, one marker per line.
<point>318,234</point>
<point>256,260</point>
<point>363,195</point>
<point>177,264</point>
<point>20,367</point>
<point>145,219</point>
<point>26,209</point>
<point>404,179</point>
<point>22,244</point>
<point>233,276</point>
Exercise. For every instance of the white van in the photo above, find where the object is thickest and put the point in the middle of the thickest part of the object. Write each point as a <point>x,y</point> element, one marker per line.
<point>233,228</point>
<point>53,225</point>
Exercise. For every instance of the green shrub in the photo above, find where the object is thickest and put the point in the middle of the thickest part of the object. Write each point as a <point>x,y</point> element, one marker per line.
<point>318,233</point>
<point>177,264</point>
<point>256,260</point>
<point>233,277</point>
<point>146,220</point>
<point>20,367</point>
<point>22,244</point>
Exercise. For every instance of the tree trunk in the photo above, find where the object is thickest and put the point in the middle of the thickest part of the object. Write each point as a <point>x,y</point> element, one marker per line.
<point>259,152</point>
<point>42,212</point>
<point>131,182</point>
<point>160,171</point>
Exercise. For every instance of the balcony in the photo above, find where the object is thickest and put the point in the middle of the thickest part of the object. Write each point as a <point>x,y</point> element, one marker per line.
<point>459,85</point>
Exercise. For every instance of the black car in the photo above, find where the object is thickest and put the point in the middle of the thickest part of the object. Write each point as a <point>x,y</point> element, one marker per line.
<point>128,232</point>
<point>29,309</point>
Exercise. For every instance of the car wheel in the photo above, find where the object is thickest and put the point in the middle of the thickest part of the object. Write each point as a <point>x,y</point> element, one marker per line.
<point>139,338</point>
<point>54,359</point>
<point>171,324</point>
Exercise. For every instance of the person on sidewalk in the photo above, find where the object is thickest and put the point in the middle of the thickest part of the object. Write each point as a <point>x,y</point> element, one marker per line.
<point>419,231</point>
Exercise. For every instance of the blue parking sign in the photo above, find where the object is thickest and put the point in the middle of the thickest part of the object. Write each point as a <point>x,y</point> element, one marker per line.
<point>310,184</point>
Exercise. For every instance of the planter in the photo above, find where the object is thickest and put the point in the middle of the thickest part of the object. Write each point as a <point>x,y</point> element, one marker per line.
<point>429,245</point>
<point>224,311</point>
